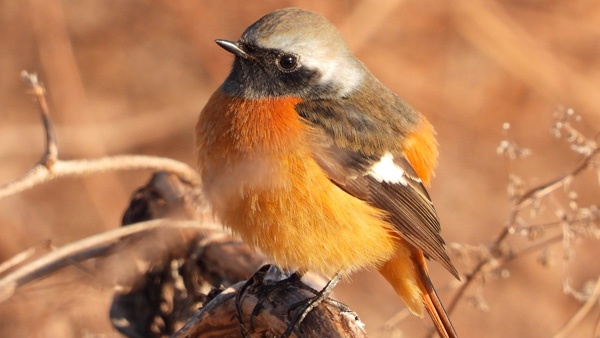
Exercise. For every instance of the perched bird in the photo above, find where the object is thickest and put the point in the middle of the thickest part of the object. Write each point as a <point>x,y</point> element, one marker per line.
<point>307,156</point>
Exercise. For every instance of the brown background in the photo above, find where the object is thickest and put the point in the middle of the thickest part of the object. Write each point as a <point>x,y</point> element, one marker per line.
<point>128,76</point>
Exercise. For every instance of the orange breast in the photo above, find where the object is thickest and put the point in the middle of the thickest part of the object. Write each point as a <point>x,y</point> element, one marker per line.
<point>258,173</point>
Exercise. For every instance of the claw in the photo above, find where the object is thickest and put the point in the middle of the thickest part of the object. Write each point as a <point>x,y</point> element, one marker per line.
<point>301,309</point>
<point>266,290</point>
<point>238,298</point>
<point>309,304</point>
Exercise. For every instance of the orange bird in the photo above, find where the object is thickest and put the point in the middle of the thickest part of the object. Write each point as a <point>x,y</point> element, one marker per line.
<point>307,156</point>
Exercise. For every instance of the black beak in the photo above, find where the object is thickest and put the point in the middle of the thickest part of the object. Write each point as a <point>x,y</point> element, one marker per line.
<point>232,47</point>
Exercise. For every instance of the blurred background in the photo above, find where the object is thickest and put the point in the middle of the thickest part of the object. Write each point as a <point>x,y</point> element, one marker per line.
<point>131,76</point>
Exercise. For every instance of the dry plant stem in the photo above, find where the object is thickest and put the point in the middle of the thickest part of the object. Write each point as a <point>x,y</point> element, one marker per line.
<point>475,272</point>
<point>596,332</point>
<point>87,248</point>
<point>218,317</point>
<point>526,199</point>
<point>580,314</point>
<point>20,257</point>
<point>42,174</point>
<point>50,167</point>
<point>482,23</point>
<point>533,248</point>
<point>39,92</point>
<point>547,188</point>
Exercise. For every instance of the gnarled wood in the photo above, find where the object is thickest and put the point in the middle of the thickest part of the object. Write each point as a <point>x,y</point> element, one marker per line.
<point>193,285</point>
<point>218,318</point>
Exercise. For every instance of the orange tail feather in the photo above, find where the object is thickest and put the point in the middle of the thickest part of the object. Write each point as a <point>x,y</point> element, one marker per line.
<point>437,312</point>
<point>407,273</point>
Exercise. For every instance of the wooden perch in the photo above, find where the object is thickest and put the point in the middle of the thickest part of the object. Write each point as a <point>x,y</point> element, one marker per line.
<point>187,287</point>
<point>173,288</point>
<point>175,284</point>
<point>218,318</point>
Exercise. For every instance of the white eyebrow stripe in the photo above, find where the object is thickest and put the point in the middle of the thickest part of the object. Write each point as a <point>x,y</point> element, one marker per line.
<point>387,171</point>
<point>339,72</point>
<point>337,67</point>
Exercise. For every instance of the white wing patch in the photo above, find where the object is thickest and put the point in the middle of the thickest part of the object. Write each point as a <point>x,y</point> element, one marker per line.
<point>387,171</point>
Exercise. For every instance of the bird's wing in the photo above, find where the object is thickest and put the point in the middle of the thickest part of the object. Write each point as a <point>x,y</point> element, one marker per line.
<point>385,179</point>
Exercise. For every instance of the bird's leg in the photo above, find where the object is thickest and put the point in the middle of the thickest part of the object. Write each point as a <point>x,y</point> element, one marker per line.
<point>309,304</point>
<point>238,298</point>
<point>267,290</point>
<point>330,301</point>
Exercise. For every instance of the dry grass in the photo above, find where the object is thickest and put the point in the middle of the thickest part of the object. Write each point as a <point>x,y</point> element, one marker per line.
<point>130,76</point>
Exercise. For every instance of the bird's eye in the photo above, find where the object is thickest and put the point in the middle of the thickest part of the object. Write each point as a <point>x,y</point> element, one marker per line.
<point>288,62</point>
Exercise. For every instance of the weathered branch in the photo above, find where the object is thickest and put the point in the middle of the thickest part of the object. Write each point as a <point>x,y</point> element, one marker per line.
<point>37,89</point>
<point>535,192</point>
<point>177,282</point>
<point>91,247</point>
<point>41,174</point>
<point>20,257</point>
<point>581,313</point>
<point>545,189</point>
<point>218,318</point>
<point>51,167</point>
<point>183,278</point>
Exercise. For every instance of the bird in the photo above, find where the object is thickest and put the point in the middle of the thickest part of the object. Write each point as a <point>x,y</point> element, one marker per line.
<point>308,157</point>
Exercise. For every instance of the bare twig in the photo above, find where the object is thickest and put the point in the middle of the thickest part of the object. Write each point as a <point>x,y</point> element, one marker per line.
<point>51,167</point>
<point>533,248</point>
<point>504,260</point>
<point>596,332</point>
<point>549,187</point>
<point>469,278</point>
<point>522,201</point>
<point>581,313</point>
<point>527,197</point>
<point>20,257</point>
<point>483,23</point>
<point>84,249</point>
<point>42,174</point>
<point>39,92</point>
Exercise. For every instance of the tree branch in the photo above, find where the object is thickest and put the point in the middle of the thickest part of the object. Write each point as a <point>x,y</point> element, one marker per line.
<point>535,192</point>
<point>51,167</point>
<point>94,246</point>
<point>525,199</point>
<point>39,92</point>
<point>219,316</point>
<point>41,174</point>
<point>580,314</point>
<point>545,189</point>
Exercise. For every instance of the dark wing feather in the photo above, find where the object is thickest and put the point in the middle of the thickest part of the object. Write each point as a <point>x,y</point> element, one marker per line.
<point>409,205</point>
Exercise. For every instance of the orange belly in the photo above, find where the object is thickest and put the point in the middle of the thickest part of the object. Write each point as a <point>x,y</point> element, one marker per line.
<point>259,175</point>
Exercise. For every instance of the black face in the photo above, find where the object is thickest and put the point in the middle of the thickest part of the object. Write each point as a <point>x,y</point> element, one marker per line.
<point>272,73</point>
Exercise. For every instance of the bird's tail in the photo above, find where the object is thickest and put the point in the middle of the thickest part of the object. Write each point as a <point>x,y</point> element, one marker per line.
<point>407,273</point>
<point>436,310</point>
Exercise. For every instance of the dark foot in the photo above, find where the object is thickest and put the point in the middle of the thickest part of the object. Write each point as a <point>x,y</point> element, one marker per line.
<point>304,307</point>
<point>265,291</point>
